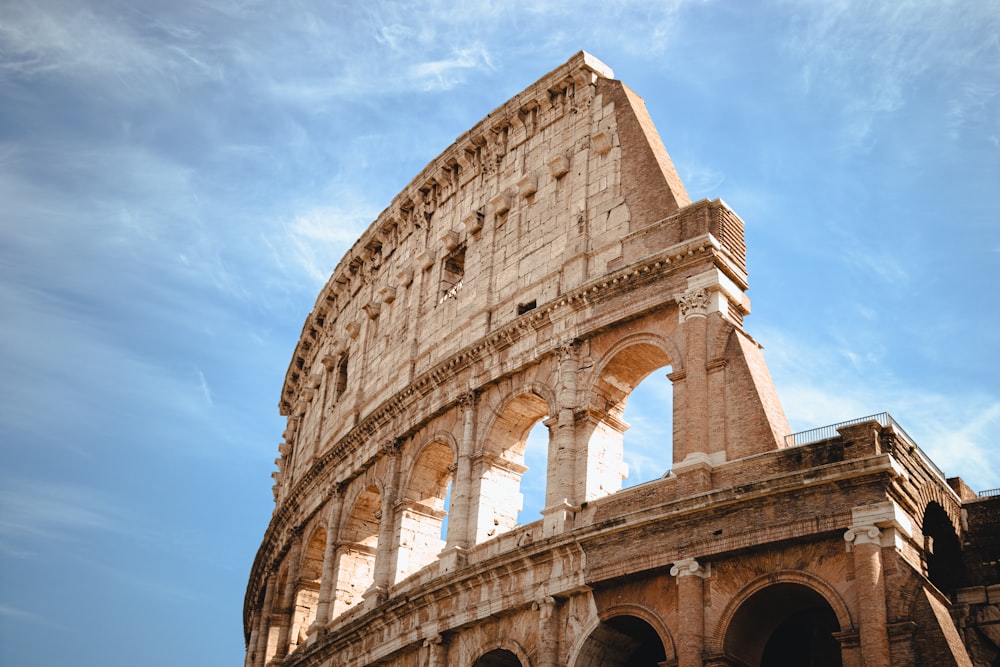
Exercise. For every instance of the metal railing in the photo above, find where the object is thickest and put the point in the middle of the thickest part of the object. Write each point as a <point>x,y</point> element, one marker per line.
<point>883,419</point>
<point>988,493</point>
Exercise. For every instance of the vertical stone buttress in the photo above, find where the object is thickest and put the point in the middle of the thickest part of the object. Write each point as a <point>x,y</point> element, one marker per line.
<point>690,576</point>
<point>869,582</point>
<point>264,622</point>
<point>327,583</point>
<point>385,554</point>
<point>548,632</point>
<point>288,595</point>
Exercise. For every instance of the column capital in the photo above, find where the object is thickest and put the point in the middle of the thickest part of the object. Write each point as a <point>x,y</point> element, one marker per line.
<point>859,535</point>
<point>693,304</point>
<point>467,401</point>
<point>690,567</point>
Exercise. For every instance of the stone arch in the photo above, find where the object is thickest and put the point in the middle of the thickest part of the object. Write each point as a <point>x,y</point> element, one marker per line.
<point>307,587</point>
<point>942,552</point>
<point>624,635</point>
<point>422,505</point>
<point>779,609</point>
<point>616,375</point>
<point>934,492</point>
<point>277,614</point>
<point>498,467</point>
<point>356,546</point>
<point>504,653</point>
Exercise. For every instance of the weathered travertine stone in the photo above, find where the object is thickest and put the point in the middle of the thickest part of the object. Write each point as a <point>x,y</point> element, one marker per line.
<point>538,270</point>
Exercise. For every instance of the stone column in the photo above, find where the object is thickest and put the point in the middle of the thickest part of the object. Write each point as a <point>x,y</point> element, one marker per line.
<point>694,320</point>
<point>385,554</point>
<point>288,595</point>
<point>690,611</point>
<point>461,491</point>
<point>437,651</point>
<point>548,632</point>
<point>264,622</point>
<point>565,484</point>
<point>869,582</point>
<point>327,584</point>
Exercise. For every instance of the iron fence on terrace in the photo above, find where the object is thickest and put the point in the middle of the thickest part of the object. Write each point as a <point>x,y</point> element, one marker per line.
<point>883,418</point>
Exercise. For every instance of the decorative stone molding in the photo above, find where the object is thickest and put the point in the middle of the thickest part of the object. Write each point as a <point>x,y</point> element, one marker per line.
<point>353,329</point>
<point>693,304</point>
<point>372,309</point>
<point>688,567</point>
<point>858,535</point>
<point>405,277</point>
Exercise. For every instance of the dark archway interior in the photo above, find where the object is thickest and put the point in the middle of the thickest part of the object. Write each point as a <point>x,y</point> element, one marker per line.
<point>804,639</point>
<point>944,551</point>
<point>622,641</point>
<point>785,625</point>
<point>497,658</point>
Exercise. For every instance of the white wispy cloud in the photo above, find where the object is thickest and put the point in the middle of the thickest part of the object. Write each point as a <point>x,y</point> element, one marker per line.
<point>867,56</point>
<point>53,510</point>
<point>316,239</point>
<point>820,385</point>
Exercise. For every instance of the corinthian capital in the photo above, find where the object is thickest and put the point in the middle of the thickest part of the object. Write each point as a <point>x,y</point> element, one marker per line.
<point>693,304</point>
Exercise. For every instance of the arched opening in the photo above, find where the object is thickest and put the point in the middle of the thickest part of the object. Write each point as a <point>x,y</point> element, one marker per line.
<point>423,510</point>
<point>307,591</point>
<point>942,549</point>
<point>784,624</point>
<point>536,456</point>
<point>648,442</point>
<point>278,615</point>
<point>634,376</point>
<point>497,658</point>
<point>498,497</point>
<point>622,641</point>
<point>356,551</point>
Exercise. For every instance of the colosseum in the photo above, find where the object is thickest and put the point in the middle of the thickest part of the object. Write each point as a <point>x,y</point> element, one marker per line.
<point>536,271</point>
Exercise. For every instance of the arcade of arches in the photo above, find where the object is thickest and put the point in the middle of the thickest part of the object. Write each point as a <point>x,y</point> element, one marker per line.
<point>536,272</point>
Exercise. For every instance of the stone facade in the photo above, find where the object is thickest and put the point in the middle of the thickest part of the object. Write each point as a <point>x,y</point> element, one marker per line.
<point>539,269</point>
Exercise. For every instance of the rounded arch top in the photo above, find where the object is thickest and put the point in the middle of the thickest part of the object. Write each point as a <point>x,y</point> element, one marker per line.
<point>716,642</point>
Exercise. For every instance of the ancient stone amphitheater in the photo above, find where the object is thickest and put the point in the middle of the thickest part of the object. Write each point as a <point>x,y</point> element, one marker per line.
<point>539,269</point>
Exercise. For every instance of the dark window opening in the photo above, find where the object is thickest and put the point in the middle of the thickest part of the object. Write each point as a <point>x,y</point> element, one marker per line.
<point>341,380</point>
<point>522,308</point>
<point>452,274</point>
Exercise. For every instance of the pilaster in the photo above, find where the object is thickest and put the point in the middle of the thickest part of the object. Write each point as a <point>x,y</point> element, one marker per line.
<point>869,582</point>
<point>691,577</point>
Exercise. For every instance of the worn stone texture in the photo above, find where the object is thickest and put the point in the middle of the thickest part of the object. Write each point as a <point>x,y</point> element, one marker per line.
<point>538,270</point>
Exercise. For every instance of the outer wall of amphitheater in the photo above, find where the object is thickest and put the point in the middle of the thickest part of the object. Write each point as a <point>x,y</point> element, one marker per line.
<point>538,270</point>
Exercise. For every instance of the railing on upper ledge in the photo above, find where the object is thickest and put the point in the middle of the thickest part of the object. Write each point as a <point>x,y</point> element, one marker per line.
<point>883,418</point>
<point>989,493</point>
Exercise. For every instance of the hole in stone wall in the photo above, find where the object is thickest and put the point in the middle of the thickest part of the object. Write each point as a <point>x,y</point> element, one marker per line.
<point>522,308</point>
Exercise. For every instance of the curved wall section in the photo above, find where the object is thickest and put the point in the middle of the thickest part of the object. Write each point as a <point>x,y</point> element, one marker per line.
<point>537,271</point>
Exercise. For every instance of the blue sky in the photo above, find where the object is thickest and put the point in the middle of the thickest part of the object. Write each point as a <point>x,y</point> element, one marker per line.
<point>178,179</point>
